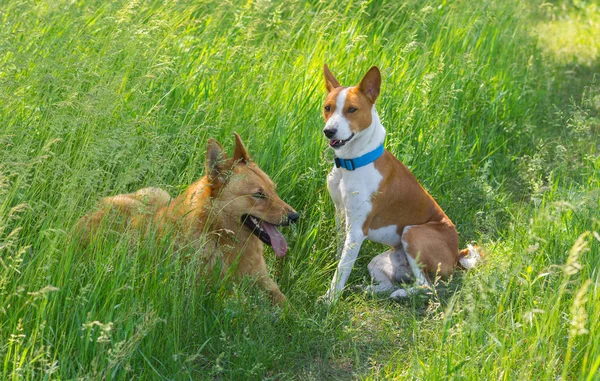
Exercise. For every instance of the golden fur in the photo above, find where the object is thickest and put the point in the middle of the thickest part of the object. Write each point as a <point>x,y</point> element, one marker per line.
<point>210,211</point>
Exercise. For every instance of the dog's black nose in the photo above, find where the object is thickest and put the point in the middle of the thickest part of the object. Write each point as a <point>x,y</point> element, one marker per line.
<point>293,217</point>
<point>330,132</point>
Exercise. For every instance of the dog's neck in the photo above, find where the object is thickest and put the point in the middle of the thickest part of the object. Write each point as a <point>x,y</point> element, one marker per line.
<point>365,141</point>
<point>198,211</point>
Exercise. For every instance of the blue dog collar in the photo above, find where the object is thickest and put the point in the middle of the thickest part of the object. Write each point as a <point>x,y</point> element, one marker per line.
<point>361,161</point>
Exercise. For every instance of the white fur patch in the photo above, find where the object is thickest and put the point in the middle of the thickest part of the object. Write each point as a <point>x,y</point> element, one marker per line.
<point>400,293</point>
<point>471,259</point>
<point>387,235</point>
<point>355,188</point>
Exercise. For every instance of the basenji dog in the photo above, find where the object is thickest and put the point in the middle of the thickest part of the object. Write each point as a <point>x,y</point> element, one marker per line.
<point>228,214</point>
<point>376,197</point>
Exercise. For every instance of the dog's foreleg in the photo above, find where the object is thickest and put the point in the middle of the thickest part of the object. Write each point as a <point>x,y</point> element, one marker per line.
<point>340,229</point>
<point>273,289</point>
<point>350,251</point>
<point>333,185</point>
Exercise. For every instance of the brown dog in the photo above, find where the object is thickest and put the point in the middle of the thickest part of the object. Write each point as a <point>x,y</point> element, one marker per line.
<point>229,212</point>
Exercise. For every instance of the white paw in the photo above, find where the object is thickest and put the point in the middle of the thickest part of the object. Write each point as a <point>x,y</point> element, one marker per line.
<point>400,294</point>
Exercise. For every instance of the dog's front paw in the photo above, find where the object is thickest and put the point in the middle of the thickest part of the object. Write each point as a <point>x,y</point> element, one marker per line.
<point>279,299</point>
<point>400,294</point>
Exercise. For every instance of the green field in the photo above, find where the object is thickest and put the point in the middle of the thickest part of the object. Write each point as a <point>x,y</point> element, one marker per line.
<point>494,105</point>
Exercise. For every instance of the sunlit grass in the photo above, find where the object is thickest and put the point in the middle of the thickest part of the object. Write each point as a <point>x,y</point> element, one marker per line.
<point>572,37</point>
<point>99,98</point>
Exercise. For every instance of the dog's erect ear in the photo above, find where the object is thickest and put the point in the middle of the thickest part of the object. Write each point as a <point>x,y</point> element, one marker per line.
<point>330,81</point>
<point>371,83</point>
<point>240,153</point>
<point>216,159</point>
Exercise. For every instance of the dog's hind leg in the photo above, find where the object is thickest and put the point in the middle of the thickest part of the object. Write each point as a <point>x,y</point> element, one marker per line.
<point>114,212</point>
<point>421,281</point>
<point>431,248</point>
<point>153,197</point>
<point>389,268</point>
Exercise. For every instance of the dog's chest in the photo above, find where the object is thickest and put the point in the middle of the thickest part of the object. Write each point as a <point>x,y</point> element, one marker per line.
<point>353,190</point>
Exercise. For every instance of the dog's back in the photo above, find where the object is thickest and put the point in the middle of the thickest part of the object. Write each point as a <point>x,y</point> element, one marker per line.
<point>130,210</point>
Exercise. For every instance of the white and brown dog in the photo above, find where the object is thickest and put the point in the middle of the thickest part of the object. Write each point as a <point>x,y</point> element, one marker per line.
<point>377,198</point>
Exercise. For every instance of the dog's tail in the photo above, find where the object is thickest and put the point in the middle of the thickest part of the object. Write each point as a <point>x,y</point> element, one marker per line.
<point>469,257</point>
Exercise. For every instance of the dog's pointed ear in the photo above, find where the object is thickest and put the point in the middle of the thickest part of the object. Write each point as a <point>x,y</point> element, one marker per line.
<point>216,159</point>
<point>330,81</point>
<point>240,153</point>
<point>371,83</point>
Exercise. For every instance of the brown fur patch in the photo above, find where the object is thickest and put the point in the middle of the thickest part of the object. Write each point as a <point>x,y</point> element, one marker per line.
<point>362,117</point>
<point>401,201</point>
<point>359,119</point>
<point>434,246</point>
<point>330,101</point>
<point>359,99</point>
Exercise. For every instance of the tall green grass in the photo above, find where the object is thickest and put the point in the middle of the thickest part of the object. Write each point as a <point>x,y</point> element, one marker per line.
<point>496,120</point>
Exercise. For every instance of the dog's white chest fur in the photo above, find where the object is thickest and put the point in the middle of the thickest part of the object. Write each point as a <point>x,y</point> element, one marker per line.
<point>353,189</point>
<point>352,192</point>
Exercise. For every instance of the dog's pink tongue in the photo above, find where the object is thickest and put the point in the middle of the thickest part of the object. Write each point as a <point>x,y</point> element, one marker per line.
<point>277,240</point>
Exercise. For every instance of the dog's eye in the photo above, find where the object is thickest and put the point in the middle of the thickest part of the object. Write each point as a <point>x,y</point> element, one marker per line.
<point>259,194</point>
<point>351,110</point>
<point>327,108</point>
